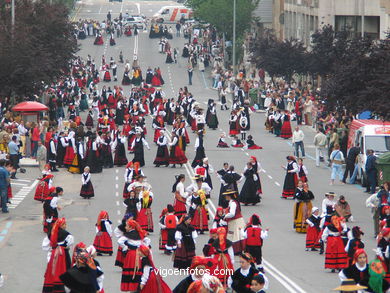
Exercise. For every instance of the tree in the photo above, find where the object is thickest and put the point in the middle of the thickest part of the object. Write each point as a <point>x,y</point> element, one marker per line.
<point>361,81</point>
<point>39,48</point>
<point>278,58</point>
<point>219,13</point>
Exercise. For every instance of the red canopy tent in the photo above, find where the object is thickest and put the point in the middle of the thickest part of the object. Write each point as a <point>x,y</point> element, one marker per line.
<point>29,109</point>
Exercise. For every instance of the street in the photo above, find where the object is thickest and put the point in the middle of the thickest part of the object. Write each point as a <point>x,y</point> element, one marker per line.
<point>287,265</point>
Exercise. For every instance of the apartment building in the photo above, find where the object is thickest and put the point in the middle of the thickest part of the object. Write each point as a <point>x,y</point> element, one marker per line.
<point>300,18</point>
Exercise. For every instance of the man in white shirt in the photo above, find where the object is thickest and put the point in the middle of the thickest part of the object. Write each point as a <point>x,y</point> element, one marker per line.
<point>297,141</point>
<point>320,141</point>
<point>22,133</point>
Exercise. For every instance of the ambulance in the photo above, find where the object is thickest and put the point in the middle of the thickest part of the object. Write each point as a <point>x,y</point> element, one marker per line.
<point>172,14</point>
<point>369,134</point>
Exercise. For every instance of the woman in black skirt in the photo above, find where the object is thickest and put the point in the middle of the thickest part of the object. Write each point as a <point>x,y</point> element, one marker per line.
<point>162,156</point>
<point>86,187</point>
<point>248,194</point>
<point>105,151</point>
<point>185,251</point>
<point>200,153</point>
<point>94,158</point>
<point>120,152</point>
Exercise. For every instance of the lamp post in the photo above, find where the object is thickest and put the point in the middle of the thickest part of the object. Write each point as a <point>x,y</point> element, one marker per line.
<point>234,38</point>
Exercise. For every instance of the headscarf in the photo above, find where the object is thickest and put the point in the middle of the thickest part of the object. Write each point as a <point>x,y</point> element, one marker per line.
<point>357,253</point>
<point>54,232</point>
<point>102,215</point>
<point>79,246</point>
<point>134,225</point>
<point>377,273</point>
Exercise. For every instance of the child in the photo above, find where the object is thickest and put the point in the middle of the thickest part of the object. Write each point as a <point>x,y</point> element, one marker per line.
<point>243,125</point>
<point>313,230</point>
<point>87,190</point>
<point>208,249</point>
<point>103,241</point>
<point>254,236</point>
<point>354,244</point>
<point>237,142</point>
<point>302,173</point>
<point>221,141</point>
<point>250,144</point>
<point>42,190</point>
<point>242,277</point>
<point>163,231</point>
<point>169,222</point>
<point>258,284</point>
<point>218,219</point>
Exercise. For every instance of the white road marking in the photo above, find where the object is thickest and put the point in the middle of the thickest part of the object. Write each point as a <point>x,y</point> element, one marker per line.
<point>117,193</point>
<point>116,186</point>
<point>116,178</point>
<point>18,184</point>
<point>119,221</point>
<point>288,280</point>
<point>277,183</point>
<point>22,180</point>
<point>100,10</point>
<point>269,176</point>
<point>118,212</point>
<point>117,171</point>
<point>117,203</point>
<point>138,7</point>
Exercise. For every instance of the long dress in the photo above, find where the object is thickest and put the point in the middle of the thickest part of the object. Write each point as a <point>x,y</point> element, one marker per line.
<point>58,261</point>
<point>176,155</point>
<point>290,180</point>
<point>138,147</point>
<point>223,257</point>
<point>184,254</point>
<point>162,156</point>
<point>335,254</point>
<point>212,119</point>
<point>87,190</point>
<point>94,159</point>
<point>286,131</point>
<point>302,209</point>
<point>199,214</point>
<point>313,232</point>
<point>103,241</point>
<point>249,194</point>
<point>145,217</point>
<point>42,190</point>
<point>200,152</point>
<point>120,158</point>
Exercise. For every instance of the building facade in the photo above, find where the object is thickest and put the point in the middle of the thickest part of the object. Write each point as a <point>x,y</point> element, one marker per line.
<point>300,18</point>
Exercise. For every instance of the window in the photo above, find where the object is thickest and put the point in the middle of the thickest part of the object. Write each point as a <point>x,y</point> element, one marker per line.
<point>379,144</point>
<point>353,24</point>
<point>166,11</point>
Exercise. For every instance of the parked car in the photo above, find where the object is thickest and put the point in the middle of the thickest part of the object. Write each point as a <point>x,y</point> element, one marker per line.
<point>137,20</point>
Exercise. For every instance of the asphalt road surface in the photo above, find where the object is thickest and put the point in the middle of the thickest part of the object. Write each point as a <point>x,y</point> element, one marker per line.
<point>288,266</point>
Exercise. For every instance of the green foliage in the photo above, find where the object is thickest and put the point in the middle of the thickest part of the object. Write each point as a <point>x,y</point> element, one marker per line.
<point>219,13</point>
<point>39,50</point>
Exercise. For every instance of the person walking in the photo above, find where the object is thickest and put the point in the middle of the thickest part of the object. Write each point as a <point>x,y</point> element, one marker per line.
<point>371,172</point>
<point>4,182</point>
<point>320,141</point>
<point>337,160</point>
<point>297,141</point>
<point>14,154</point>
<point>351,162</point>
<point>42,156</point>
<point>190,70</point>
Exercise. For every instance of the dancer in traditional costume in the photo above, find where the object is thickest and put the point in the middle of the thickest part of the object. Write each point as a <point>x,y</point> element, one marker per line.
<point>50,208</point>
<point>99,39</point>
<point>286,131</point>
<point>57,244</point>
<point>176,155</point>
<point>254,236</point>
<point>87,190</point>
<point>119,232</point>
<point>302,171</point>
<point>235,221</point>
<point>313,230</point>
<point>241,279</point>
<point>354,244</point>
<point>132,202</point>
<point>103,241</point>
<point>230,181</point>
<point>168,224</point>
<point>291,178</point>
<point>233,124</point>
<point>130,242</point>
<point>93,157</point>
<point>250,144</point>
<point>70,151</point>
<point>162,156</point>
<point>199,150</point>
<point>224,256</point>
<point>185,236</point>
<point>151,281</point>
<point>180,197</point>
<point>335,255</point>
<point>302,207</point>
<point>61,149</point>
<point>221,142</point>
<point>52,154</point>
<point>120,158</point>
<point>128,179</point>
<point>145,217</point>
<point>107,74</point>
<point>359,271</point>
<point>236,142</point>
<point>198,211</point>
<point>43,187</point>
<point>138,147</point>
<point>249,192</point>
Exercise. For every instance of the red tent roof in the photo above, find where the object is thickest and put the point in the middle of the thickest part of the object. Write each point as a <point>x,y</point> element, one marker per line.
<point>30,107</point>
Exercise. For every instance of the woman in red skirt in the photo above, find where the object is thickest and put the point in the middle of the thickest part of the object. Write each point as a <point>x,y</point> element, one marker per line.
<point>119,232</point>
<point>145,217</point>
<point>180,196</point>
<point>103,242</point>
<point>70,151</point>
<point>163,230</point>
<point>302,173</point>
<point>130,243</point>
<point>224,255</point>
<point>107,75</point>
<point>200,220</point>
<point>286,131</point>
<point>176,155</point>
<point>57,244</point>
<point>233,124</point>
<point>313,230</point>
<point>150,282</point>
<point>336,257</point>
<point>42,190</point>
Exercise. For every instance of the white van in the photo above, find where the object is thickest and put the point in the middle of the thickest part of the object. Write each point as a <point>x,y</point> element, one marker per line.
<point>370,134</point>
<point>172,14</point>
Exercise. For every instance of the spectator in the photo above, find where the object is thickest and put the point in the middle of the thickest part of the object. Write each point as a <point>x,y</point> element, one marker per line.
<point>351,163</point>
<point>337,160</point>
<point>178,27</point>
<point>35,137</point>
<point>343,209</point>
<point>4,181</point>
<point>371,172</point>
<point>320,145</point>
<point>14,154</point>
<point>297,141</point>
<point>190,70</point>
<point>41,155</point>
